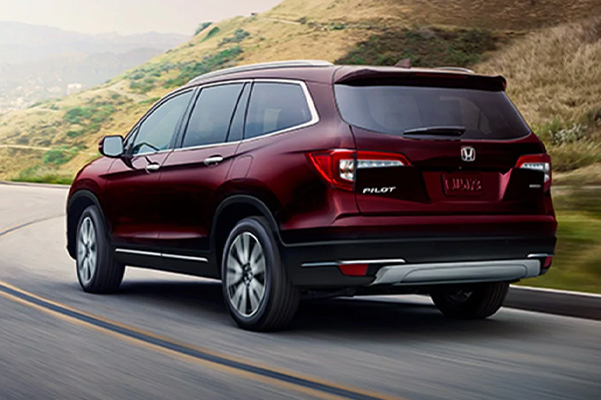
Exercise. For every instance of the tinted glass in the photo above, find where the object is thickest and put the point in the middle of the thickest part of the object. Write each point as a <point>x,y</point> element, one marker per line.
<point>157,130</point>
<point>396,109</point>
<point>212,115</point>
<point>275,107</point>
<point>237,128</point>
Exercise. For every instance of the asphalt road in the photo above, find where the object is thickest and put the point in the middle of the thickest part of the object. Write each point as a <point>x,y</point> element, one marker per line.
<point>167,336</point>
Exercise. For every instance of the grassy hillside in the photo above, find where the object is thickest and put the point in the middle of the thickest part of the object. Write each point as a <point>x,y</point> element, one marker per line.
<point>53,139</point>
<point>555,79</point>
<point>550,51</point>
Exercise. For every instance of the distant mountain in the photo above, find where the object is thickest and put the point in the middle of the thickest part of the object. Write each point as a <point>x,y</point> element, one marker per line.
<point>21,43</point>
<point>38,62</point>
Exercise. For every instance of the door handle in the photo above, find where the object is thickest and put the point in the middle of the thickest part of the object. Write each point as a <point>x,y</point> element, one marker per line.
<point>213,160</point>
<point>152,167</point>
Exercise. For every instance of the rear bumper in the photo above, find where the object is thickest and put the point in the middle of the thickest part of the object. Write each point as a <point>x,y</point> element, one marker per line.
<point>418,261</point>
<point>457,272</point>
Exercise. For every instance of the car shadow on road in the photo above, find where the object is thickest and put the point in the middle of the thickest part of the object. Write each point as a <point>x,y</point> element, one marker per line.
<point>356,318</point>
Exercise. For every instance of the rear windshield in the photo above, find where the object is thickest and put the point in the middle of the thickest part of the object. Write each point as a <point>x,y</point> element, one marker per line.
<point>399,109</point>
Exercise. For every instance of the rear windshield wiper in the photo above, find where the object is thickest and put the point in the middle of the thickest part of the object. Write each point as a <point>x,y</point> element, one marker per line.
<point>437,130</point>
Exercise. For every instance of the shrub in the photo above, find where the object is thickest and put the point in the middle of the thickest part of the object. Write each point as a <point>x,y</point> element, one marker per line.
<point>77,114</point>
<point>74,134</point>
<point>557,133</point>
<point>137,76</point>
<point>238,36</point>
<point>59,155</point>
<point>426,47</point>
<point>208,64</point>
<point>212,33</point>
<point>42,175</point>
<point>202,27</point>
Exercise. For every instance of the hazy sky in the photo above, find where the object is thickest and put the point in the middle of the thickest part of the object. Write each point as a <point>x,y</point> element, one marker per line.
<point>127,16</point>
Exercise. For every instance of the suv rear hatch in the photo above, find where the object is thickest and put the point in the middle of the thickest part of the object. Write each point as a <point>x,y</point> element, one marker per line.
<point>436,143</point>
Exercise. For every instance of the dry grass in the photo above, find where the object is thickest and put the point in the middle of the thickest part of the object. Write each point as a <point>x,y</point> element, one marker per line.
<point>329,29</point>
<point>553,73</point>
<point>491,14</point>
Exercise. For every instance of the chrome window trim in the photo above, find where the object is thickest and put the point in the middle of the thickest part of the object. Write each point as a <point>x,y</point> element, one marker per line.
<point>165,255</point>
<point>308,98</point>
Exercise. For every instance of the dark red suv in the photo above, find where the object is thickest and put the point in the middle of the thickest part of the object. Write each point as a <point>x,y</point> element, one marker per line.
<point>307,179</point>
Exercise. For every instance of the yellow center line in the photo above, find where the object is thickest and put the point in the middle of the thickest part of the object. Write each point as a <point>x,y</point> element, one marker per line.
<point>222,362</point>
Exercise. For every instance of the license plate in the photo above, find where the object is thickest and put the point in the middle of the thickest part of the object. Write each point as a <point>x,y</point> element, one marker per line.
<point>462,184</point>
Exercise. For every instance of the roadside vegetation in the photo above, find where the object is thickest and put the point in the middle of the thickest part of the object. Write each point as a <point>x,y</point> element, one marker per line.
<point>577,264</point>
<point>549,52</point>
<point>554,78</point>
<point>425,47</point>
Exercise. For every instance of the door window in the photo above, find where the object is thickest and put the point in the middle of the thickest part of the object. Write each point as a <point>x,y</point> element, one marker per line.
<point>157,130</point>
<point>212,115</point>
<point>275,107</point>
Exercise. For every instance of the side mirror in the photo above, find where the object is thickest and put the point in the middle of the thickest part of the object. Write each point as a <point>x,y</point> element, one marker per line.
<point>111,146</point>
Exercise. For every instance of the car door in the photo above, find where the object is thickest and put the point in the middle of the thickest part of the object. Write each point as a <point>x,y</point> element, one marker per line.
<point>132,198</point>
<point>193,173</point>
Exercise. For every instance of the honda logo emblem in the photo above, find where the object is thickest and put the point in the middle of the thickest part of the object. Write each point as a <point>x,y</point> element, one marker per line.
<point>468,154</point>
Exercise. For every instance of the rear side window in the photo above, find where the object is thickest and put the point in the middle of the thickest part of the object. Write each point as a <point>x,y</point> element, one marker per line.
<point>274,107</point>
<point>397,109</point>
<point>212,114</point>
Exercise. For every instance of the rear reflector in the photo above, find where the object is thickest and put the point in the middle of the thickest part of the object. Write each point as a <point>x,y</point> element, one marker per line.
<point>548,262</point>
<point>353,269</point>
<point>338,166</point>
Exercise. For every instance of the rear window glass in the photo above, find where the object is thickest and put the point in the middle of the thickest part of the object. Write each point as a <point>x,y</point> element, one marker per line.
<point>397,109</point>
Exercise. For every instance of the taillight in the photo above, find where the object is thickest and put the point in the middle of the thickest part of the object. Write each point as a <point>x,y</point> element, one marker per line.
<point>338,166</point>
<point>537,162</point>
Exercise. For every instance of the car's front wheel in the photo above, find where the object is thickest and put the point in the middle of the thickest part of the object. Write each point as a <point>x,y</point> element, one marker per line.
<point>477,301</point>
<point>97,271</point>
<point>256,288</point>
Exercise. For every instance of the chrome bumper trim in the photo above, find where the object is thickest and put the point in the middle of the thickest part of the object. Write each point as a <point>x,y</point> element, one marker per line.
<point>347,262</point>
<point>457,272</point>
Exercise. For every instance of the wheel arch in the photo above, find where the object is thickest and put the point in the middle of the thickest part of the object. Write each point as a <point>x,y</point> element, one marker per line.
<point>78,202</point>
<point>232,210</point>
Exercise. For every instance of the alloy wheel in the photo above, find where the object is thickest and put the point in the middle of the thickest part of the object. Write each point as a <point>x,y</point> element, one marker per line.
<point>87,250</point>
<point>246,274</point>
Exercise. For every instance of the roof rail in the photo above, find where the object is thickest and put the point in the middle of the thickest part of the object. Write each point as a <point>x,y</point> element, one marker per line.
<point>458,69</point>
<point>268,65</point>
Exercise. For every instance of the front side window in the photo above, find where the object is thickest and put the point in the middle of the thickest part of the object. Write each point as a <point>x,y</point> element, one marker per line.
<point>157,130</point>
<point>210,120</point>
<point>275,107</point>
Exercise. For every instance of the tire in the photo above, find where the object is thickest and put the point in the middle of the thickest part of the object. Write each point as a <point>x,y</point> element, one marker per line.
<point>478,301</point>
<point>96,269</point>
<point>256,288</point>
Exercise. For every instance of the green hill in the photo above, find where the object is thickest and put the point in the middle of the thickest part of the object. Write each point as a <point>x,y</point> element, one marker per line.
<point>545,48</point>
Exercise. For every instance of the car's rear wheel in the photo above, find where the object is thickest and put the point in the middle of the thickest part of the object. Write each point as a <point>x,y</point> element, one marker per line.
<point>477,301</point>
<point>256,288</point>
<point>97,271</point>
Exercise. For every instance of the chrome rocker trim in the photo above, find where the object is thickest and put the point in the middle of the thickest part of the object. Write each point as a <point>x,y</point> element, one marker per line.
<point>163,255</point>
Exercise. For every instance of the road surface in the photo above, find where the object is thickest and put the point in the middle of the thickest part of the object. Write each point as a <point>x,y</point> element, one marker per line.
<point>167,336</point>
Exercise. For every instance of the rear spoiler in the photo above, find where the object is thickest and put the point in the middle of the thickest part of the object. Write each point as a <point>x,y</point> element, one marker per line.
<point>417,77</point>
